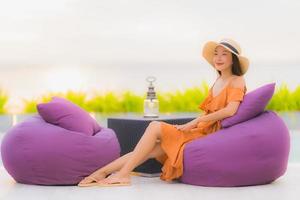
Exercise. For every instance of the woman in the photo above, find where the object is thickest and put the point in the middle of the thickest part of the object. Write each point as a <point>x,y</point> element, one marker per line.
<point>165,142</point>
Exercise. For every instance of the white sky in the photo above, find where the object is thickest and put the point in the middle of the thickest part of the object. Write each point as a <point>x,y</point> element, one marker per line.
<point>71,44</point>
<point>96,31</point>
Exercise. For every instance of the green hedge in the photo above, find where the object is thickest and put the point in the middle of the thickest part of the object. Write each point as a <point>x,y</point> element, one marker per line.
<point>177,101</point>
<point>3,101</point>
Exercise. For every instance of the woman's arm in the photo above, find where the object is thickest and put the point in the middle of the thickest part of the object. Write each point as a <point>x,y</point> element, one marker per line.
<point>189,125</point>
<point>230,109</point>
<point>215,116</point>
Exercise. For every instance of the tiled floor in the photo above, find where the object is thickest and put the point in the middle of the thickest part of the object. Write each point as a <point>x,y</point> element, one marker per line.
<point>286,187</point>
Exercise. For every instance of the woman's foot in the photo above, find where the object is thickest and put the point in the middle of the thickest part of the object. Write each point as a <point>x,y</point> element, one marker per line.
<point>115,180</point>
<point>92,179</point>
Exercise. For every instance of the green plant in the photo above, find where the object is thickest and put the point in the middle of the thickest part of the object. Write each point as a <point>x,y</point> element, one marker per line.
<point>108,103</point>
<point>285,100</point>
<point>176,101</point>
<point>3,101</point>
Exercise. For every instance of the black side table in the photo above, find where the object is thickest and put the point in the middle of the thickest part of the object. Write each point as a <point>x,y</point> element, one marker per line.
<point>129,130</point>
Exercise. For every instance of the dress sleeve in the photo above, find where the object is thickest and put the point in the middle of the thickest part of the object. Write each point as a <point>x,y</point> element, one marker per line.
<point>235,94</point>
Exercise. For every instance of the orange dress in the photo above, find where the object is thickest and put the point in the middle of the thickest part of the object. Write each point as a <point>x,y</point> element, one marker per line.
<point>174,140</point>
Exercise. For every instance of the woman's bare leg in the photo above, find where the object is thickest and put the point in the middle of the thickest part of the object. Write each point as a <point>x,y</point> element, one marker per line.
<point>116,165</point>
<point>119,163</point>
<point>142,149</point>
<point>101,173</point>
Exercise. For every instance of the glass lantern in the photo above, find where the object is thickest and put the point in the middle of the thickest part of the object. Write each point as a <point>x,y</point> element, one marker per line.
<point>151,104</point>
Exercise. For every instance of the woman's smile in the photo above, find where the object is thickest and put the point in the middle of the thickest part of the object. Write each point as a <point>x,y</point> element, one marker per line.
<point>219,64</point>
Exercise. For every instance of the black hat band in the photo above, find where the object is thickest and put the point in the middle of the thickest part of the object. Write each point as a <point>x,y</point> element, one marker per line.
<point>230,47</point>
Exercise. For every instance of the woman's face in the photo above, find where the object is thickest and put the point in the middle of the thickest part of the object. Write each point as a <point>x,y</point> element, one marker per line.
<point>222,58</point>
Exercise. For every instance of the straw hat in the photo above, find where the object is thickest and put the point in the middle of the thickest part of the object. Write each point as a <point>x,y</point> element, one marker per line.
<point>230,45</point>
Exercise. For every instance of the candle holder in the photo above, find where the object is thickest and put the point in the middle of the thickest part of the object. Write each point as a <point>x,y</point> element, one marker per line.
<point>151,104</point>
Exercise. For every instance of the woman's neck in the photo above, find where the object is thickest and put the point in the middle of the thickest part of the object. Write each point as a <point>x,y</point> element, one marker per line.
<point>226,74</point>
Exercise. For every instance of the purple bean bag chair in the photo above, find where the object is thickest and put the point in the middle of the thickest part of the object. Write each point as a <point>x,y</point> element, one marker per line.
<point>37,152</point>
<point>250,153</point>
<point>252,148</point>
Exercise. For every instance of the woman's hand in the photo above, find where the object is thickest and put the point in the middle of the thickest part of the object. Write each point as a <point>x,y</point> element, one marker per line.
<point>186,127</point>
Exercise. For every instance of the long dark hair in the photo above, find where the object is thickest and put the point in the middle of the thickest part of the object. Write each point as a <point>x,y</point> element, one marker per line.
<point>236,66</point>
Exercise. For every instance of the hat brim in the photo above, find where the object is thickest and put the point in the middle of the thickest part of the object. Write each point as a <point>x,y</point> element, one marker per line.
<point>208,54</point>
